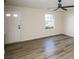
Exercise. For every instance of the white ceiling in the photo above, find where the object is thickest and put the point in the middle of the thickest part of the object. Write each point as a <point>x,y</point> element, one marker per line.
<point>38,3</point>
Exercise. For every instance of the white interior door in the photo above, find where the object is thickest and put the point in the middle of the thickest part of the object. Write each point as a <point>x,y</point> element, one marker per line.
<point>12,26</point>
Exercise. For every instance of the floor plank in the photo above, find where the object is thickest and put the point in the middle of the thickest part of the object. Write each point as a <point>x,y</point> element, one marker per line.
<point>55,47</point>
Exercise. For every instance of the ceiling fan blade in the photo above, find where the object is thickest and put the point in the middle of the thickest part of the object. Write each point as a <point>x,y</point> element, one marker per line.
<point>68,6</point>
<point>56,9</point>
<point>59,0</point>
<point>63,8</point>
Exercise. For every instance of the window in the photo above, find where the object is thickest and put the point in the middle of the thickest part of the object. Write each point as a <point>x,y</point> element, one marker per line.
<point>49,21</point>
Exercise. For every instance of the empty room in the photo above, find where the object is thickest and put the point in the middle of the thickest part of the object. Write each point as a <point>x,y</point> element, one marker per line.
<point>39,29</point>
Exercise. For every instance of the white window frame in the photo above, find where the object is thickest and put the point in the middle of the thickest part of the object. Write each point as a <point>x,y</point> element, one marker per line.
<point>49,21</point>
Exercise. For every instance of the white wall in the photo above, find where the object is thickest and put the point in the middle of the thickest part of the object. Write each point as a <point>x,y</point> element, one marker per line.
<point>69,22</point>
<point>33,23</point>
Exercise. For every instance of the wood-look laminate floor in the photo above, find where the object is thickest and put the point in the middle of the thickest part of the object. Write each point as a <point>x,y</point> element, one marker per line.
<point>55,47</point>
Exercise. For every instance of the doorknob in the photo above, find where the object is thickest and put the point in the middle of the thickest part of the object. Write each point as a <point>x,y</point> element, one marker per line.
<point>19,26</point>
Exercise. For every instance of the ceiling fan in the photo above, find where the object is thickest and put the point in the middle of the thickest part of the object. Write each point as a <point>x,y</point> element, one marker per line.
<point>62,7</point>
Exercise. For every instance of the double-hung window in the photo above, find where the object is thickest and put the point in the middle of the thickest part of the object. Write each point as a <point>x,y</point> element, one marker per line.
<point>49,21</point>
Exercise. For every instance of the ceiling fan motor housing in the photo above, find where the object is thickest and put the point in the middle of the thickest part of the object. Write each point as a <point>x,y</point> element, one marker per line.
<point>59,5</point>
